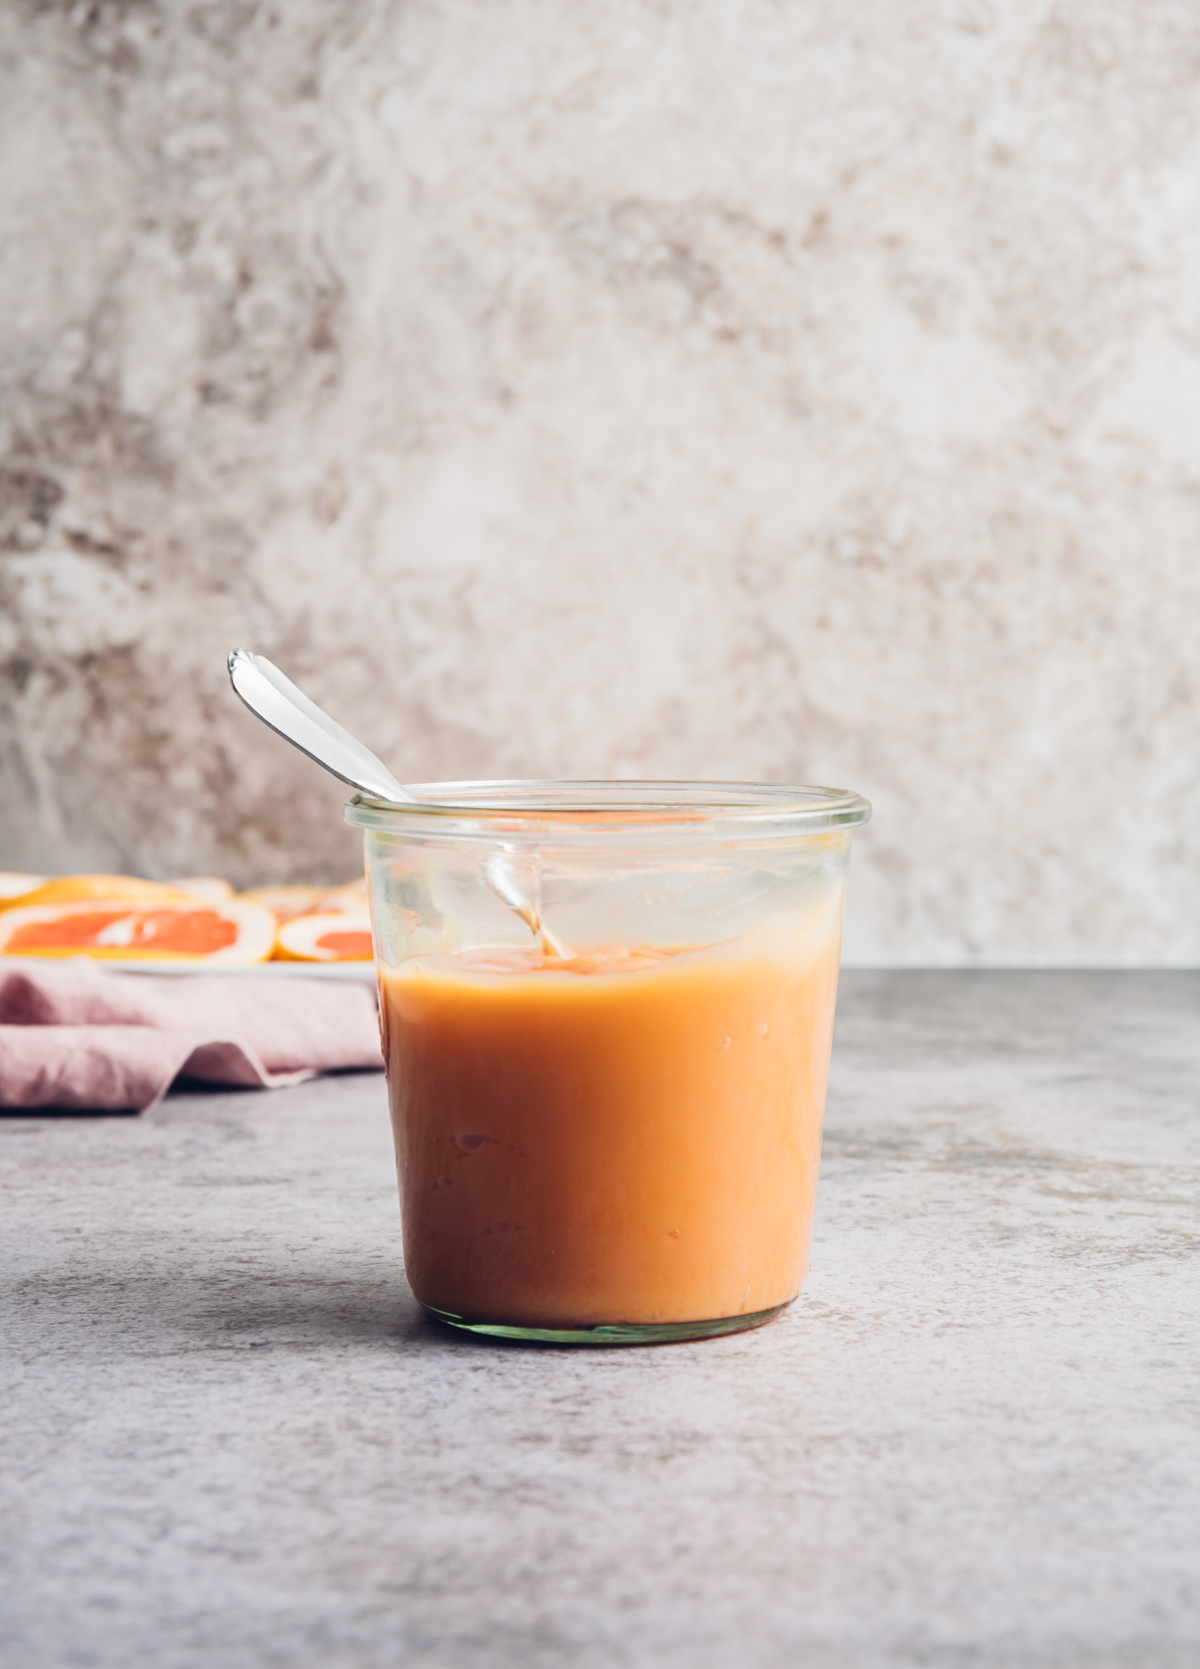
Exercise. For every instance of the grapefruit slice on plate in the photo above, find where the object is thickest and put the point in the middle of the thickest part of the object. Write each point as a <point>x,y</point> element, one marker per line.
<point>285,902</point>
<point>174,928</point>
<point>350,900</point>
<point>211,888</point>
<point>69,889</point>
<point>13,883</point>
<point>332,936</point>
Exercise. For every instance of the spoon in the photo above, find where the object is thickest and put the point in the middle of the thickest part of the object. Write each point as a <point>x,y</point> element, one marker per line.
<point>290,714</point>
<point>278,703</point>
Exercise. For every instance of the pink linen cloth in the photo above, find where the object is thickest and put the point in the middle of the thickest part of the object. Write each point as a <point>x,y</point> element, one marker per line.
<point>74,1035</point>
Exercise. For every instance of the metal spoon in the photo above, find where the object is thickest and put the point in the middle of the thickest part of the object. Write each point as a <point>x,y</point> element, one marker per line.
<point>290,714</point>
<point>278,703</point>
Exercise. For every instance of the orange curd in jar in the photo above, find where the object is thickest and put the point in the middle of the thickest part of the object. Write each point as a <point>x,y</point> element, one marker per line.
<point>621,1137</point>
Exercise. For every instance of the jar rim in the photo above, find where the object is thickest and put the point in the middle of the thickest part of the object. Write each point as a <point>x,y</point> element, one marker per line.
<point>736,810</point>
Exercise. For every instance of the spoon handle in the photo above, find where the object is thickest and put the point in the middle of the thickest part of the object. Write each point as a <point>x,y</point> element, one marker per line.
<point>288,711</point>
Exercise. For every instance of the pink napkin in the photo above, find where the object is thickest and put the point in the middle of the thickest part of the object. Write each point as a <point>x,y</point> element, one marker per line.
<point>73,1034</point>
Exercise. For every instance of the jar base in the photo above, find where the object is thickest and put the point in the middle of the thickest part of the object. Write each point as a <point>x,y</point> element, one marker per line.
<point>616,1333</point>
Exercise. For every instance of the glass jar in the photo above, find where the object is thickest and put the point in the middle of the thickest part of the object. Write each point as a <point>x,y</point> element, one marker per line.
<point>606,1012</point>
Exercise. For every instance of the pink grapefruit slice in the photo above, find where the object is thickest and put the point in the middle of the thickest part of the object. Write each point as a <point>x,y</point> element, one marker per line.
<point>69,889</point>
<point>175,928</point>
<point>332,936</point>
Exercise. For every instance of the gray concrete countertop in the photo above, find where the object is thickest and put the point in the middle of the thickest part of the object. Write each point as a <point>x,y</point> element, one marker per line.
<point>229,1436</point>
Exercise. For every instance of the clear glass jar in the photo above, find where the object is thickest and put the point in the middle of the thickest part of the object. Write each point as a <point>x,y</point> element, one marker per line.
<point>606,1012</point>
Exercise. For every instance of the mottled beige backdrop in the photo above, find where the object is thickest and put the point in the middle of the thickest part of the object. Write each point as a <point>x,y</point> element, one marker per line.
<point>802,391</point>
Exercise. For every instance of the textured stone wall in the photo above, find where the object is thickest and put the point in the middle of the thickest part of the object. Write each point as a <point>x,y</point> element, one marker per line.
<point>805,390</point>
